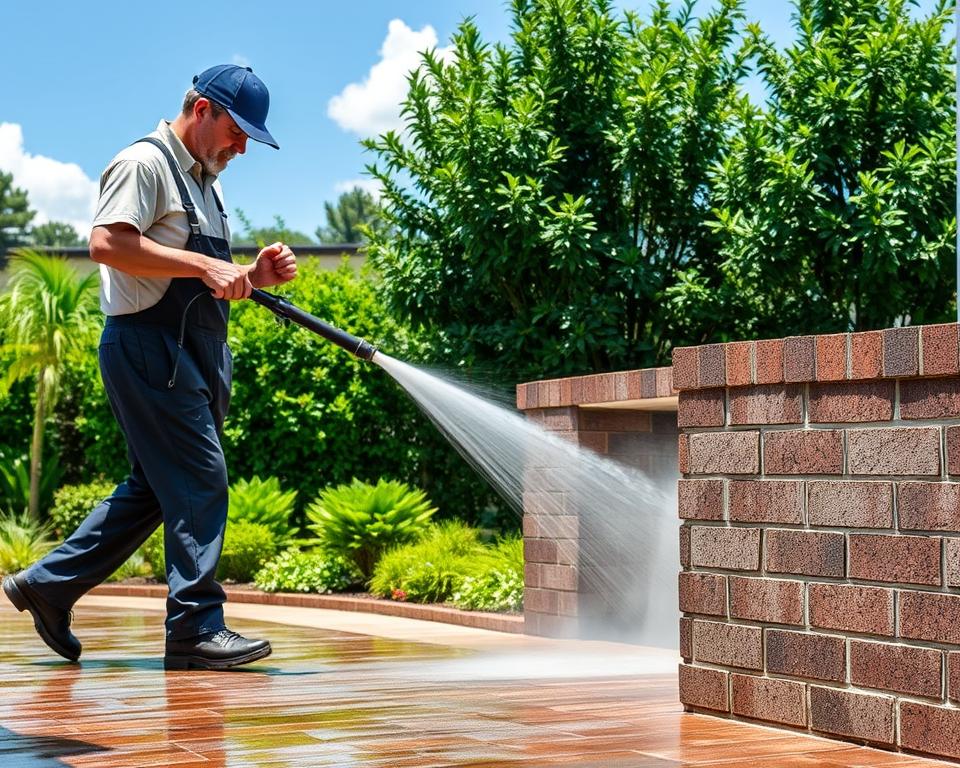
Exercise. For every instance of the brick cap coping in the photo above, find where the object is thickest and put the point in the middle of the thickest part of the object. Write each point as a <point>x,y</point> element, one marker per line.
<point>475,619</point>
<point>929,350</point>
<point>597,389</point>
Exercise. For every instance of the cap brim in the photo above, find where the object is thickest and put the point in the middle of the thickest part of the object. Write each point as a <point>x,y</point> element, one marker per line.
<point>254,132</point>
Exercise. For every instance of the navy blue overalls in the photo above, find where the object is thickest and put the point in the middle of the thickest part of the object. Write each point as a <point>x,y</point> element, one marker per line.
<point>167,373</point>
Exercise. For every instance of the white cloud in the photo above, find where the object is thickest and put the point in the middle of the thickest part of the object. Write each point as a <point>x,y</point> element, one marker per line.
<point>240,60</point>
<point>370,185</point>
<point>373,106</point>
<point>57,191</point>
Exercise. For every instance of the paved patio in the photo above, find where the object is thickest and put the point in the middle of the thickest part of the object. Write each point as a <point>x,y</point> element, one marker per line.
<point>353,690</point>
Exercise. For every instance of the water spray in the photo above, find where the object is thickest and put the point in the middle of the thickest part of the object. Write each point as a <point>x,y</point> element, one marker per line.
<point>287,311</point>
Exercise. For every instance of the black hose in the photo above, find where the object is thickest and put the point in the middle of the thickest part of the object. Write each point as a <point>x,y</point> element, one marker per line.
<point>284,309</point>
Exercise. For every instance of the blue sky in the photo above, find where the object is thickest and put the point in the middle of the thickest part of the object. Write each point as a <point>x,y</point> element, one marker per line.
<point>81,80</point>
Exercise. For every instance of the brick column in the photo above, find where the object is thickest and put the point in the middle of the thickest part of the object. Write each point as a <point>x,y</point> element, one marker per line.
<point>820,544</point>
<point>557,591</point>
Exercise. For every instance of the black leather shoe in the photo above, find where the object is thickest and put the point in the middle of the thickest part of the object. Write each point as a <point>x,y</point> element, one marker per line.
<point>214,650</point>
<point>52,623</point>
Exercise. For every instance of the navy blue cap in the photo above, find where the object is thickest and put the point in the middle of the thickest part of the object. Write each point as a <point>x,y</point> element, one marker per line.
<point>242,94</point>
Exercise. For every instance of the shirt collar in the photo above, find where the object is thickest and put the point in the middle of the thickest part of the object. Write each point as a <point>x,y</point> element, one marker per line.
<point>187,162</point>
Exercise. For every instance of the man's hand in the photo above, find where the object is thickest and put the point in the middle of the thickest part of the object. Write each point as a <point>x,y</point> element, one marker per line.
<point>275,265</point>
<point>227,280</point>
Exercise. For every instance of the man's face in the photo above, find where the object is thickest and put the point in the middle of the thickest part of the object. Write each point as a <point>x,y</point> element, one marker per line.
<point>219,140</point>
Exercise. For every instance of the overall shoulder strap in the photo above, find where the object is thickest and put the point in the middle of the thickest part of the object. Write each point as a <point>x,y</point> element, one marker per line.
<point>185,199</point>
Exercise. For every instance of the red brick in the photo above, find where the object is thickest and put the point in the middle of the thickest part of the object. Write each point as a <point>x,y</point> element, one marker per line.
<point>598,442</point>
<point>522,390</point>
<point>686,638</point>
<point>566,392</point>
<point>683,454</point>
<point>712,365</point>
<point>851,402</point>
<point>541,601</point>
<point>685,546</point>
<point>857,715</point>
<point>553,392</point>
<point>768,404</point>
<point>540,551</point>
<point>953,675</point>
<point>736,549</point>
<point>939,350</point>
<point>704,688</point>
<point>763,698</point>
<point>739,363</point>
<point>929,506</point>
<point>850,504</point>
<point>831,353</point>
<point>766,501</point>
<point>930,399</point>
<point>899,668</point>
<point>731,645</point>
<point>769,361</point>
<point>700,499</point>
<point>607,388</point>
<point>894,451</point>
<point>850,608</point>
<point>613,420</point>
<point>803,452</point>
<point>685,367</point>
<point>953,450</point>
<point>805,552</point>
<point>701,408</point>
<point>531,575</point>
<point>901,351</point>
<point>799,359</point>
<point>952,575</point>
<point>804,654</point>
<point>536,502</point>
<point>648,384</point>
<point>926,728</point>
<point>704,593</point>
<point>730,453</point>
<point>773,601</point>
<point>561,577</point>
<point>589,387</point>
<point>576,390</point>
<point>665,386</point>
<point>866,355</point>
<point>930,616</point>
<point>903,559</point>
<point>557,419</point>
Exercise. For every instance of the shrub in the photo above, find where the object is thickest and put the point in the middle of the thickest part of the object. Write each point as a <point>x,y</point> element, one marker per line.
<point>72,503</point>
<point>263,502</point>
<point>23,541</point>
<point>246,546</point>
<point>152,550</point>
<point>361,521</point>
<point>432,569</point>
<point>15,480</point>
<point>500,586</point>
<point>296,571</point>
<point>136,566</point>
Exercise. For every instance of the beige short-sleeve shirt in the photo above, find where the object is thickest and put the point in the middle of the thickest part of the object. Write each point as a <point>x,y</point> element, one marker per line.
<point>138,188</point>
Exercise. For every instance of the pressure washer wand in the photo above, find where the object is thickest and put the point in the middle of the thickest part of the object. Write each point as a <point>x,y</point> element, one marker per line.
<point>284,309</point>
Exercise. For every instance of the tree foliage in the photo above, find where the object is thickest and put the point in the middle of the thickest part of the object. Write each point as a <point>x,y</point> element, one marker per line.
<point>55,234</point>
<point>15,213</point>
<point>600,188</point>
<point>836,203</point>
<point>264,236</point>
<point>349,219</point>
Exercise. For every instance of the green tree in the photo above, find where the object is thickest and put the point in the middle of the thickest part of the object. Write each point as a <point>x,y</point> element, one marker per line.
<point>351,217</point>
<point>55,234</point>
<point>548,193</point>
<point>263,236</point>
<point>45,314</point>
<point>15,213</point>
<point>836,204</point>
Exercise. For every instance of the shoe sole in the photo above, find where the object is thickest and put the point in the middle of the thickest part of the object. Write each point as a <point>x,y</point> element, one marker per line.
<point>22,603</point>
<point>189,661</point>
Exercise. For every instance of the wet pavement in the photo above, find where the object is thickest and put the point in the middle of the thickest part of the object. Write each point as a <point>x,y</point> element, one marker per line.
<point>406,693</point>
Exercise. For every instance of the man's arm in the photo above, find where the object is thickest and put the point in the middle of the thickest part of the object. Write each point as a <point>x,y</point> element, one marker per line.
<point>122,247</point>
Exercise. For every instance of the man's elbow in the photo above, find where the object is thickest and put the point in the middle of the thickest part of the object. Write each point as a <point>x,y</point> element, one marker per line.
<point>99,245</point>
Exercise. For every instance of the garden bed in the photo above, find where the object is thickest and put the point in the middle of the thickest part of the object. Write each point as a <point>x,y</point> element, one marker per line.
<point>364,603</point>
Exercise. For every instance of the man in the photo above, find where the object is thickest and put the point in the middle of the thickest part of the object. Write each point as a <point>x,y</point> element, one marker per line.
<point>161,238</point>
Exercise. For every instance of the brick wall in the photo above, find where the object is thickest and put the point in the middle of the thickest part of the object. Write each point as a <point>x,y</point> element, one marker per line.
<point>600,413</point>
<point>820,546</point>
